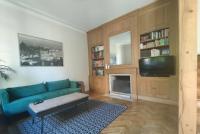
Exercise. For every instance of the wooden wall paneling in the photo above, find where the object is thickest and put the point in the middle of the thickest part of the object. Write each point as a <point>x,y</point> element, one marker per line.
<point>163,88</point>
<point>91,83</point>
<point>95,37</point>
<point>153,16</point>
<point>106,43</point>
<point>119,25</point>
<point>89,38</point>
<point>163,14</point>
<point>172,21</point>
<point>198,77</point>
<point>135,38</point>
<point>157,15</point>
<point>147,22</point>
<point>188,66</point>
<point>99,84</point>
<point>135,51</point>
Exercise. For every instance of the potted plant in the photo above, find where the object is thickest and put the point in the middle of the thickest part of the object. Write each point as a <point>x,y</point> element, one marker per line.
<point>5,70</point>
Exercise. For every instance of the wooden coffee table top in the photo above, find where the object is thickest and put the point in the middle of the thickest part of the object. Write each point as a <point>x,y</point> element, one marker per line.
<point>55,102</point>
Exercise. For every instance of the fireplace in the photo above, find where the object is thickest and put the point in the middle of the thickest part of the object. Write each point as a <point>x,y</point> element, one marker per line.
<point>120,85</point>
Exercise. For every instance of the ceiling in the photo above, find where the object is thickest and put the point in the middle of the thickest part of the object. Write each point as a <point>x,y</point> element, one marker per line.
<point>83,15</point>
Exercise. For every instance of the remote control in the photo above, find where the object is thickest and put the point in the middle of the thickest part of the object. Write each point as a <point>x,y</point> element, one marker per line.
<point>38,102</point>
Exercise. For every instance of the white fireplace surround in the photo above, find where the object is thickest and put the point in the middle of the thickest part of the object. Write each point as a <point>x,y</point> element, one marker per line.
<point>120,95</point>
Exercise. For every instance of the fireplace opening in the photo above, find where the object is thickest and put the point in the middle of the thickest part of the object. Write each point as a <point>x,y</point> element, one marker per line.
<point>120,85</point>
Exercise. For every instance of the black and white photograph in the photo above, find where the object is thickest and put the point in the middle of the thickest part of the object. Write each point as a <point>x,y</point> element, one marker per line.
<point>36,51</point>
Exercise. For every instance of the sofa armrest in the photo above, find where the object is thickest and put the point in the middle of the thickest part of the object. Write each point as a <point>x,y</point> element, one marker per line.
<point>4,97</point>
<point>81,86</point>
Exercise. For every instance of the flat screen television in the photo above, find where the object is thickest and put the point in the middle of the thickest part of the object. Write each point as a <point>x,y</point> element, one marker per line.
<point>160,66</point>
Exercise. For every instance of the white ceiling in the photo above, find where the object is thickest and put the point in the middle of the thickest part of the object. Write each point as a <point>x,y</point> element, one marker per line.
<point>82,14</point>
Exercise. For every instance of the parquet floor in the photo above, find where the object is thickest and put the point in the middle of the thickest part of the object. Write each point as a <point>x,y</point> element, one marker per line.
<point>143,117</point>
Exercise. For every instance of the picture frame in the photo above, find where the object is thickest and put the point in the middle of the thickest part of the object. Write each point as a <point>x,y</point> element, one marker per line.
<point>35,51</point>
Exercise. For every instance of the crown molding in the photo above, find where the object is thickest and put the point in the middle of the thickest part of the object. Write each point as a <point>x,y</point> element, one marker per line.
<point>41,14</point>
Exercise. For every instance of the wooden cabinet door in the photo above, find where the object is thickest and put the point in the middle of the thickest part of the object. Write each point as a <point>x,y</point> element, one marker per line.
<point>91,83</point>
<point>160,16</point>
<point>147,22</point>
<point>153,17</point>
<point>95,36</point>
<point>164,88</point>
<point>118,26</point>
<point>99,84</point>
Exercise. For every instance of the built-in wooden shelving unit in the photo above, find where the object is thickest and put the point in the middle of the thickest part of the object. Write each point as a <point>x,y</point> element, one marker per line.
<point>98,60</point>
<point>155,43</point>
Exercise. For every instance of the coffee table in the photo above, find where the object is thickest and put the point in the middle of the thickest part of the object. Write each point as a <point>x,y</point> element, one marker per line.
<point>55,104</point>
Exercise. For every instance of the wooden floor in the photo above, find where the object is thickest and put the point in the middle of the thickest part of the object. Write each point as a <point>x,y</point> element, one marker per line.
<point>143,117</point>
<point>140,118</point>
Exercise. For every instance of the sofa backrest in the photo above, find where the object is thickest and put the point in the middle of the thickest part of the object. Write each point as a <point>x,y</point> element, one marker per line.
<point>25,91</point>
<point>57,85</point>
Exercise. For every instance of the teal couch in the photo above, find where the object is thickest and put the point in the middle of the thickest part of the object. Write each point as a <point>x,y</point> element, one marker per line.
<point>16,100</point>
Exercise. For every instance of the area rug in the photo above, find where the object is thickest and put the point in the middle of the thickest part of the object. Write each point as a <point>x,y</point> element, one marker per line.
<point>87,118</point>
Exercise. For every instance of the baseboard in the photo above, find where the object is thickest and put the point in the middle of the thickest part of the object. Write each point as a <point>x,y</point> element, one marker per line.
<point>117,97</point>
<point>158,100</point>
<point>147,98</point>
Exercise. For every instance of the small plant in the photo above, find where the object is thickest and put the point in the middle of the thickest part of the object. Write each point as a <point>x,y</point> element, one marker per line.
<point>5,70</point>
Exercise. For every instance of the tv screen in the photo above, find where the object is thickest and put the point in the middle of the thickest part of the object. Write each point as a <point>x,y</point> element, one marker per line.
<point>160,66</point>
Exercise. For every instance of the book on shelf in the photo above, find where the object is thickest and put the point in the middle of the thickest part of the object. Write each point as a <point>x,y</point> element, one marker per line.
<point>163,33</point>
<point>98,48</point>
<point>99,72</point>
<point>98,55</point>
<point>99,63</point>
<point>98,60</point>
<point>160,34</point>
<point>156,43</point>
<point>165,52</point>
<point>155,52</point>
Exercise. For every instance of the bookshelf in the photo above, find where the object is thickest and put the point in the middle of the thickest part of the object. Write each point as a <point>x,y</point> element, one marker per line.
<point>98,60</point>
<point>155,43</point>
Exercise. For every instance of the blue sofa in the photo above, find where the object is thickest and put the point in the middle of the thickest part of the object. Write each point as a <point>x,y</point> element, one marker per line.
<point>16,100</point>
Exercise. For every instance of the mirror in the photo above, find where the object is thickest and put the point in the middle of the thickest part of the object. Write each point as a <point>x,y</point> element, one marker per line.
<point>120,49</point>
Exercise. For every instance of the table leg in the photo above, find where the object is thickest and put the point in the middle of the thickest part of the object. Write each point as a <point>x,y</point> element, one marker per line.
<point>33,120</point>
<point>42,125</point>
<point>87,105</point>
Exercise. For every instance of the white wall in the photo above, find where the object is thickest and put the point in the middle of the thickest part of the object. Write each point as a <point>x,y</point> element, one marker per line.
<point>15,20</point>
<point>198,26</point>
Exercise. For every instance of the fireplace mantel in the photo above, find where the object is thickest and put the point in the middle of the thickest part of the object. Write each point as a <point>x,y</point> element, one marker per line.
<point>121,70</point>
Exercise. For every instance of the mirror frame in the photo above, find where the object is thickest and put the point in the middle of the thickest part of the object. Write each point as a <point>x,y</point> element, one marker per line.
<point>132,54</point>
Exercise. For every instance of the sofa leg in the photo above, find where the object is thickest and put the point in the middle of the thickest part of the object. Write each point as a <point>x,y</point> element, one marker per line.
<point>9,120</point>
<point>5,120</point>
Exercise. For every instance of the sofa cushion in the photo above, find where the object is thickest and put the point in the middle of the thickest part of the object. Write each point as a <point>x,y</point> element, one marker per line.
<point>53,94</point>
<point>57,85</point>
<point>25,91</point>
<point>73,90</point>
<point>73,84</point>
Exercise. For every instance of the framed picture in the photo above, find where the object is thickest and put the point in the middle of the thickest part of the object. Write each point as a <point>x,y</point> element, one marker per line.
<point>36,51</point>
